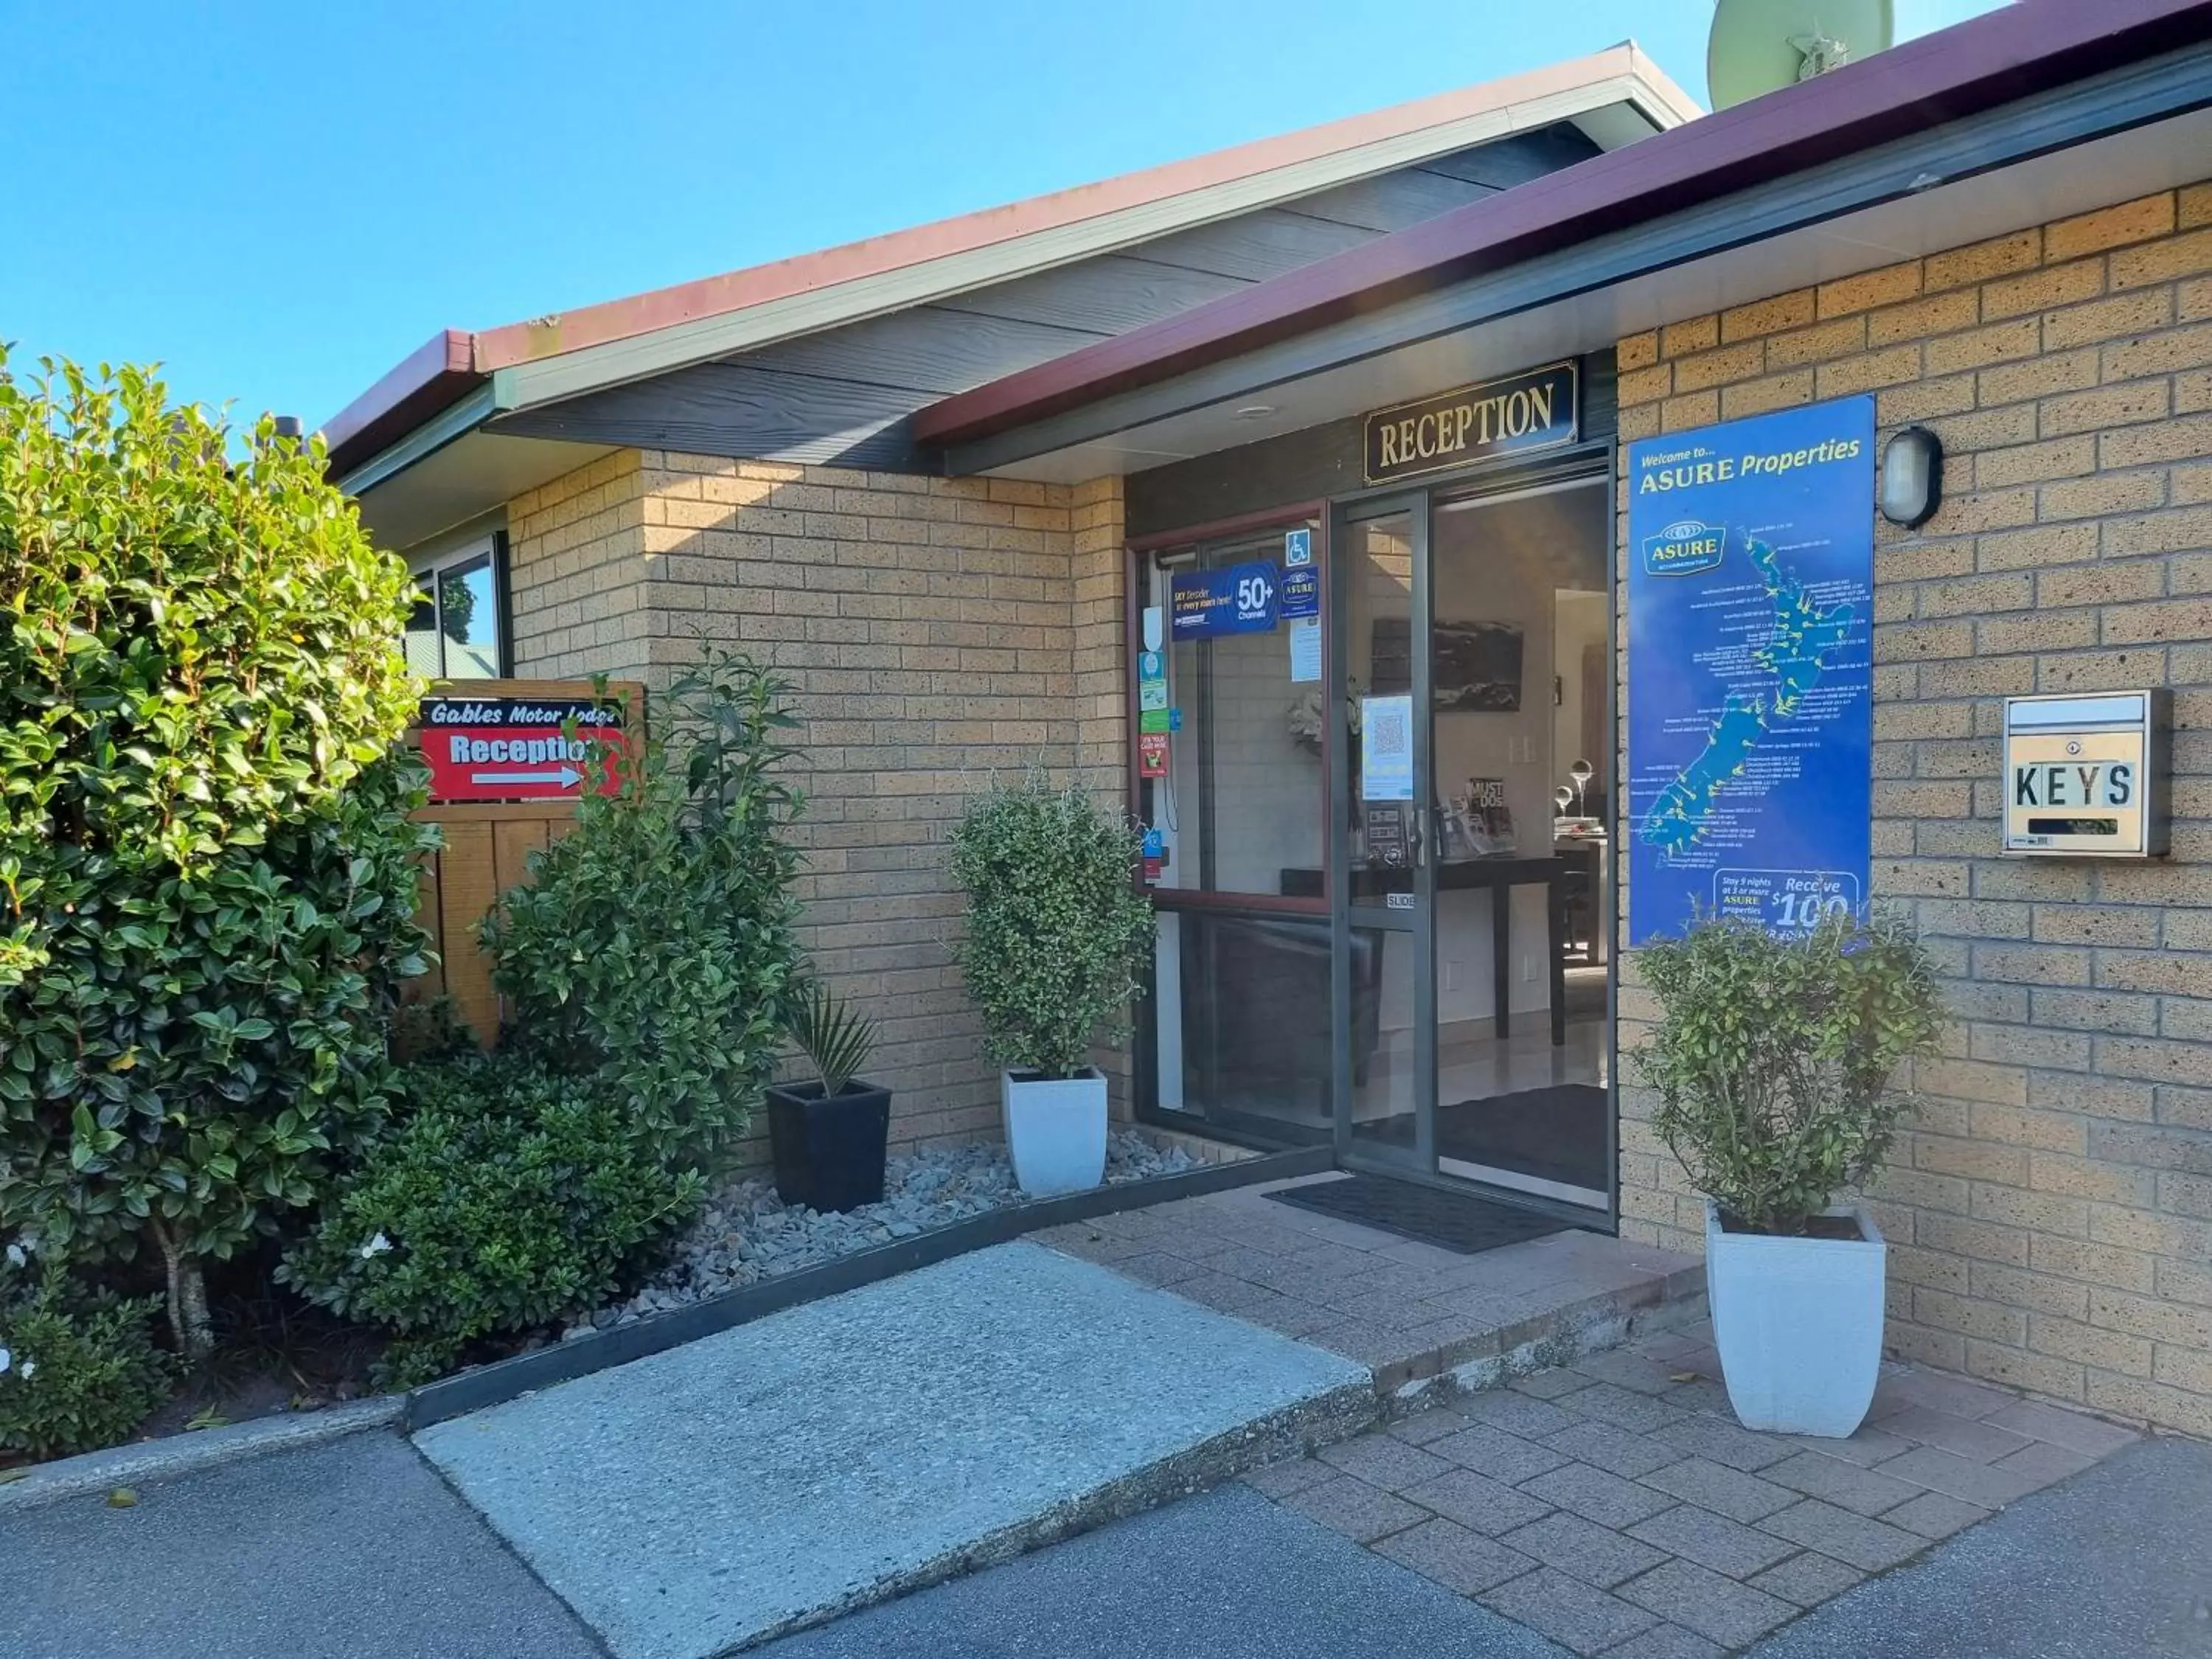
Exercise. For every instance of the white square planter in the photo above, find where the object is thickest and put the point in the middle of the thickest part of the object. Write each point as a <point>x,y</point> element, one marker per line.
<point>1055,1131</point>
<point>1798,1322</point>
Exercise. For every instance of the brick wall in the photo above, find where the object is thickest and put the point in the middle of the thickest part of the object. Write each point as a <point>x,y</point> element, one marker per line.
<point>577,573</point>
<point>935,631</point>
<point>2050,1213</point>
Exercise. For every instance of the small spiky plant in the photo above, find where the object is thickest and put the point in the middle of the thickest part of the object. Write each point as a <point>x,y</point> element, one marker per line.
<point>835,1040</point>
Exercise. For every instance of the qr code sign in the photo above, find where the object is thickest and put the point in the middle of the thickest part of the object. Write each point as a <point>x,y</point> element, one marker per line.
<point>1386,728</point>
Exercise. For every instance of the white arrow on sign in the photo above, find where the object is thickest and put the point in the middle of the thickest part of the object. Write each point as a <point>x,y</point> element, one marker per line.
<point>568,777</point>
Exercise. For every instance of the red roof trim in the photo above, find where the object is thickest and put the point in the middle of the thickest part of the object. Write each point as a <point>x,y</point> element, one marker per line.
<point>435,375</point>
<point>2025,48</point>
<point>431,378</point>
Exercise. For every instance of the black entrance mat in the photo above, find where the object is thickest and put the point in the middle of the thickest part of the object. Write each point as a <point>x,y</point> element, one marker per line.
<point>1457,1221</point>
<point>1554,1133</point>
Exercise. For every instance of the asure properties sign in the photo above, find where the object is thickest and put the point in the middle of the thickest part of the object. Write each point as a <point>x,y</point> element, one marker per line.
<point>490,749</point>
<point>1750,675</point>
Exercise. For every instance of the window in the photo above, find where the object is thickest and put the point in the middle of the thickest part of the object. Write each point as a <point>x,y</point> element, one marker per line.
<point>455,631</point>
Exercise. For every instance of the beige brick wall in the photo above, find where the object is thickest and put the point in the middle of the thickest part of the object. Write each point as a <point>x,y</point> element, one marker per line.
<point>2050,1213</point>
<point>934,632</point>
<point>577,574</point>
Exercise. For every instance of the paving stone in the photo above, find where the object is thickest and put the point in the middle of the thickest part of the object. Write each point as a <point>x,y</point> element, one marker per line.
<point>1716,1607</point>
<point>1608,1402</point>
<point>1515,1413</point>
<point>1157,1267</point>
<point>1666,1642</point>
<point>1571,1614</point>
<point>1712,1485</point>
<point>1616,1450</point>
<point>2045,1463</point>
<point>1385,1460</point>
<point>1961,1436</point>
<point>1424,1428</point>
<point>1279,1480</point>
<point>1713,1541</point>
<point>1220,1292</point>
<point>1808,1578</point>
<point>1456,1557</point>
<point>1936,1514</point>
<point>1627,1368</point>
<point>1596,1496</point>
<point>1962,1477</point>
<point>1596,1555</point>
<point>1726,1443</point>
<point>2075,1431</point>
<point>1291,1316</point>
<point>1863,1492</point>
<point>1869,1546</point>
<point>1476,1501</point>
<point>1866,1447</point>
<point>1549,1384</point>
<point>1706,1395</point>
<point>1953,1395</point>
<point>1500,1455</point>
<point>1361,1512</point>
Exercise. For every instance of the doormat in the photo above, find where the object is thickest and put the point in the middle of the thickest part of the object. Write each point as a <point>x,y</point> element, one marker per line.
<point>1554,1133</point>
<point>1430,1215</point>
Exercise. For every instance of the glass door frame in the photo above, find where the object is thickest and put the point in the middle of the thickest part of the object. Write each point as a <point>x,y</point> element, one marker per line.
<point>1595,461</point>
<point>1417,923</point>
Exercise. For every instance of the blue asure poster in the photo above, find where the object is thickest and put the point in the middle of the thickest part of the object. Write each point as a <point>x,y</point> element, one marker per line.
<point>1241,599</point>
<point>1750,675</point>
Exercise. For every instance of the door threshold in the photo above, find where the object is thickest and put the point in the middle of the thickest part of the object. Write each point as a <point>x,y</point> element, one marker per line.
<point>1559,1191</point>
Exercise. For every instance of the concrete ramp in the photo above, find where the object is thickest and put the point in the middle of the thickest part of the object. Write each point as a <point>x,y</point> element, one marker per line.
<point>758,1480</point>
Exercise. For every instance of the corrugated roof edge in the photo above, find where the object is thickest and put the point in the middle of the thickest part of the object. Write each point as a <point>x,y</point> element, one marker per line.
<point>455,361</point>
<point>2030,46</point>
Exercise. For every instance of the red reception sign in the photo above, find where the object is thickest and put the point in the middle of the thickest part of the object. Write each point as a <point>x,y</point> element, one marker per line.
<point>502,747</point>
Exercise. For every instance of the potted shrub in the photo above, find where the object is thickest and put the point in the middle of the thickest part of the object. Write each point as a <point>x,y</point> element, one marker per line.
<point>1774,1060</point>
<point>1057,928</point>
<point>828,1135</point>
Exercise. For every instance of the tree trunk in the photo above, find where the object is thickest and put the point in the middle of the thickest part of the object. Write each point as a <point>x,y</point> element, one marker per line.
<point>188,1310</point>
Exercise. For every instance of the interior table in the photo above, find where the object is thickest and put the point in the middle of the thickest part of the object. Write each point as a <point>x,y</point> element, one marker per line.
<point>1499,877</point>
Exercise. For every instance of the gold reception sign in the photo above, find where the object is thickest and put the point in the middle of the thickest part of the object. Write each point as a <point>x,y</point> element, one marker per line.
<point>1535,409</point>
<point>2086,775</point>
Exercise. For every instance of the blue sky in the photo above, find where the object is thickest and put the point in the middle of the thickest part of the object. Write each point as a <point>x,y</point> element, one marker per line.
<point>278,201</point>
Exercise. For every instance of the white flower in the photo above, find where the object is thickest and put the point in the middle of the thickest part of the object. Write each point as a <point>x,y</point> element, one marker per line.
<point>29,1369</point>
<point>5,1358</point>
<point>375,1247</point>
<point>16,1255</point>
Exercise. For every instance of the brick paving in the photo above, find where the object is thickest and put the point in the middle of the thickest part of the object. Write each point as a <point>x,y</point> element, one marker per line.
<point>1407,1310</point>
<point>1616,1507</point>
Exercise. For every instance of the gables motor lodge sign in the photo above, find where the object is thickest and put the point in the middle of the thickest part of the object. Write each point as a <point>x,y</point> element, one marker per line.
<point>1535,409</point>
<point>493,745</point>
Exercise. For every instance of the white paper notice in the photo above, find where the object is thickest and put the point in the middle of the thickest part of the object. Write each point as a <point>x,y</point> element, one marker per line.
<point>1386,757</point>
<point>1305,651</point>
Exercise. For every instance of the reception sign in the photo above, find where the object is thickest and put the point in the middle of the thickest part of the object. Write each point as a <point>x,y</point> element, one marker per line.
<point>1535,409</point>
<point>489,746</point>
<point>1750,678</point>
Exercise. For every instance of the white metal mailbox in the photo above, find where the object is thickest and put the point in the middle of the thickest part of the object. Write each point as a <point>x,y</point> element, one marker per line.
<point>2086,776</point>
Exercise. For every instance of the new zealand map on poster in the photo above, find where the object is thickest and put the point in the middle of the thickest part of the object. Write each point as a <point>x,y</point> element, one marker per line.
<point>1750,677</point>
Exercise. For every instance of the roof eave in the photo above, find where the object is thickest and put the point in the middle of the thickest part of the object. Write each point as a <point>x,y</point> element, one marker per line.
<point>2034,46</point>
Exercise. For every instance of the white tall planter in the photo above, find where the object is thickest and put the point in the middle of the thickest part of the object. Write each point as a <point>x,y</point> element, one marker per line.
<point>1798,1323</point>
<point>1055,1131</point>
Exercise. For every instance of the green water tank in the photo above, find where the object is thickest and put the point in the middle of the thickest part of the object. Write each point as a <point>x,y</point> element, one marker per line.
<point>1762,45</point>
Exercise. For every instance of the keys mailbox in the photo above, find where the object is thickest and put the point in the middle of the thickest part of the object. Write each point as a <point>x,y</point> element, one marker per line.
<point>2086,776</point>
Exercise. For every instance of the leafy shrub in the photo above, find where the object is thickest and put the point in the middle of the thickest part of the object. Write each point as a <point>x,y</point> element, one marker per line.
<point>77,1372</point>
<point>508,1198</point>
<point>1056,927</point>
<point>206,887</point>
<point>653,948</point>
<point>1773,1058</point>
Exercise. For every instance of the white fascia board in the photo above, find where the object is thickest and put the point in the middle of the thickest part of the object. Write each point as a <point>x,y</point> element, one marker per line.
<point>618,362</point>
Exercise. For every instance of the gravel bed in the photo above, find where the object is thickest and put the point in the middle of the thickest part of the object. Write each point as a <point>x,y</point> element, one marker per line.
<point>746,1233</point>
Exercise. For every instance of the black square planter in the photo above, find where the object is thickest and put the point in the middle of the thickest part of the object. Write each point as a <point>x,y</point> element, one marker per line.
<point>829,1152</point>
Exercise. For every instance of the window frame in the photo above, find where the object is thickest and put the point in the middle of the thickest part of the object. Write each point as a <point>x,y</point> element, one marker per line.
<point>429,570</point>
